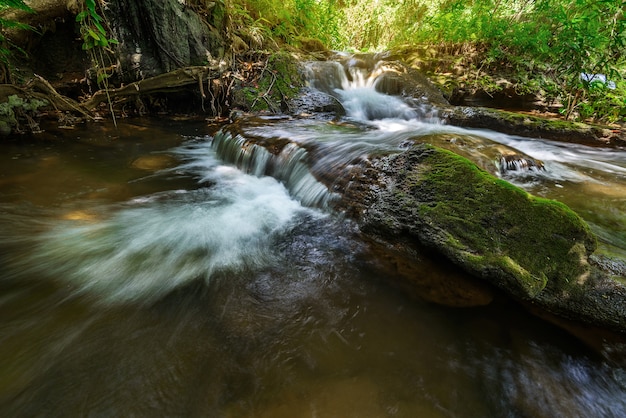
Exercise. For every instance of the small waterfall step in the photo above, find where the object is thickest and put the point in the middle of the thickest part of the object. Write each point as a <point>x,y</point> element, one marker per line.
<point>289,165</point>
<point>370,87</point>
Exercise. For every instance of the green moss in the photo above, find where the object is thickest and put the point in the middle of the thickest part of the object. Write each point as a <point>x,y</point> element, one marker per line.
<point>289,79</point>
<point>539,241</point>
<point>537,122</point>
<point>273,87</point>
<point>528,283</point>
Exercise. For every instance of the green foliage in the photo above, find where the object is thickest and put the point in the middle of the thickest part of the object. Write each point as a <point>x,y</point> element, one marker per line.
<point>17,108</point>
<point>601,103</point>
<point>95,41</point>
<point>5,53</point>
<point>546,44</point>
<point>261,22</point>
<point>92,29</point>
<point>15,104</point>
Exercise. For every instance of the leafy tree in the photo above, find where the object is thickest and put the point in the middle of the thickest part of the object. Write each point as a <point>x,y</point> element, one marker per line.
<point>9,23</point>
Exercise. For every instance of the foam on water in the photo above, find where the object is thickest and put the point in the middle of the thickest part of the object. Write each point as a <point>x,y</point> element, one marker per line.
<point>147,247</point>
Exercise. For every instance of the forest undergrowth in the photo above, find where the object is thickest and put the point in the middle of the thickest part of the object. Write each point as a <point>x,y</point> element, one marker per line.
<point>568,53</point>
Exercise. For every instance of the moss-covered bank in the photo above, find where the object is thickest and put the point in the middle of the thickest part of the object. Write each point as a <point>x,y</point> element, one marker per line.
<point>271,82</point>
<point>524,124</point>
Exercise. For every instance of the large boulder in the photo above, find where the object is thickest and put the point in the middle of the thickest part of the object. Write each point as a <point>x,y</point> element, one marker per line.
<point>536,250</point>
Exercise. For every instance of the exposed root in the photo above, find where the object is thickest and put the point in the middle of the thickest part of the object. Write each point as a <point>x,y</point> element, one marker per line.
<point>173,81</point>
<point>43,89</point>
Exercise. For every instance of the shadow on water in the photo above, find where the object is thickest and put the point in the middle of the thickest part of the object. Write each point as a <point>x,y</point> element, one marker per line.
<point>141,275</point>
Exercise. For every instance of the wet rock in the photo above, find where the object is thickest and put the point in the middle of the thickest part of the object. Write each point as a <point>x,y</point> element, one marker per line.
<point>311,101</point>
<point>153,162</point>
<point>413,271</point>
<point>532,126</point>
<point>408,82</point>
<point>487,226</point>
<point>536,250</point>
<point>612,266</point>
<point>518,162</point>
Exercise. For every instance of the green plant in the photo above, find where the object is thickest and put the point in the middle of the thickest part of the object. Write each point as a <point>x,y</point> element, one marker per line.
<point>96,42</point>
<point>5,52</point>
<point>262,22</point>
<point>601,103</point>
<point>17,108</point>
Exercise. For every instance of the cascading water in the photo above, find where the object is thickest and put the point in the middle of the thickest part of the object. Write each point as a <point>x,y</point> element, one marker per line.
<point>289,166</point>
<point>355,87</point>
<point>376,123</point>
<point>151,245</point>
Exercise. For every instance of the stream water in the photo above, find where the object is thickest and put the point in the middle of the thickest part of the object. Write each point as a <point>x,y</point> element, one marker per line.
<point>154,270</point>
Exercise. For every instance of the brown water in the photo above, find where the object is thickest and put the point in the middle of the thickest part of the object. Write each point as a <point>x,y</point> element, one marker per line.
<point>142,276</point>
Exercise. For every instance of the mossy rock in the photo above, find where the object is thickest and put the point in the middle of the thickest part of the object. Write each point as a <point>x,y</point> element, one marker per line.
<point>273,88</point>
<point>519,242</point>
<point>533,126</point>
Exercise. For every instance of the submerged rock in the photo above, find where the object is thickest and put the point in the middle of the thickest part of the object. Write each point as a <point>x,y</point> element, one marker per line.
<point>518,162</point>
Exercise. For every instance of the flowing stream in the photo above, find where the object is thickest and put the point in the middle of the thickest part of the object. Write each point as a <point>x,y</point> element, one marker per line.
<point>157,270</point>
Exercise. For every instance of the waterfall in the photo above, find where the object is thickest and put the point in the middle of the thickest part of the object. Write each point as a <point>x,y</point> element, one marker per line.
<point>249,158</point>
<point>289,166</point>
<point>355,85</point>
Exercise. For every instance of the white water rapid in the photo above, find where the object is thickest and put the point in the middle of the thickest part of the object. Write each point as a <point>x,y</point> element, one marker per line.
<point>142,249</point>
<point>377,124</point>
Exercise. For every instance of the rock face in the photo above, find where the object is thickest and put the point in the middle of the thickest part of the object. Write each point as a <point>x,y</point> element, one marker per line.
<point>158,36</point>
<point>535,249</point>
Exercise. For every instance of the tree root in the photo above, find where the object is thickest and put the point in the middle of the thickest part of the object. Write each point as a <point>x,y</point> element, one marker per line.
<point>214,85</point>
<point>42,89</point>
<point>164,83</point>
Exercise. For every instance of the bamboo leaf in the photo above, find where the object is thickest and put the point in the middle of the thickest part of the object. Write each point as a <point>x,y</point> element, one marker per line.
<point>17,4</point>
<point>100,28</point>
<point>91,6</point>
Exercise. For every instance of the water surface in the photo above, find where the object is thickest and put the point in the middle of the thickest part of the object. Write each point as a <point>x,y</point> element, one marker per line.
<point>143,276</point>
